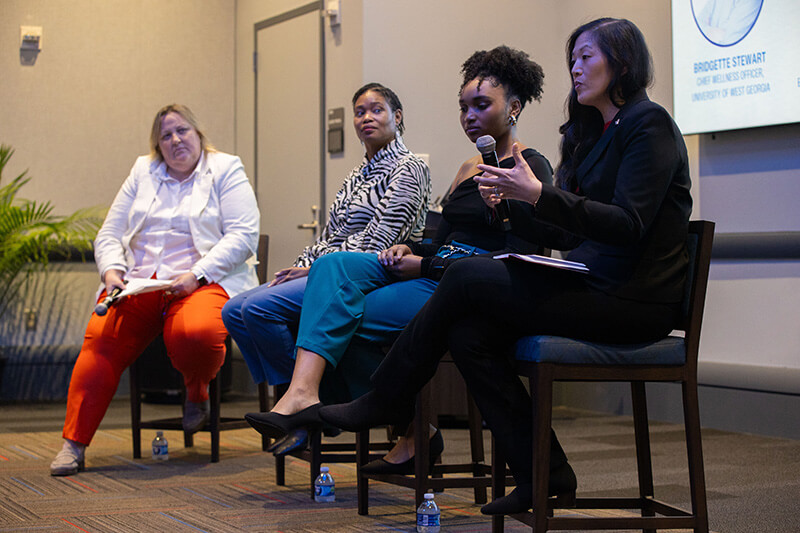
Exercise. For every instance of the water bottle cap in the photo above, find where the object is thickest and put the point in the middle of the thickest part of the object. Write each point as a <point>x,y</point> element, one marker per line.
<point>323,469</point>
<point>428,495</point>
<point>159,433</point>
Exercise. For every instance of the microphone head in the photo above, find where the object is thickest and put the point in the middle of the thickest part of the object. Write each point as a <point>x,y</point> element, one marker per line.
<point>101,309</point>
<point>486,144</point>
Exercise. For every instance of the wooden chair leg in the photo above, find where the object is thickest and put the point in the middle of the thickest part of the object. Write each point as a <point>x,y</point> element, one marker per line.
<point>694,450</point>
<point>264,406</point>
<point>422,443</point>
<point>541,386</point>
<point>362,457</point>
<point>136,410</point>
<point>280,471</point>
<point>315,443</point>
<point>642,436</point>
<point>498,484</point>
<point>188,438</point>
<point>215,399</point>
<point>476,445</point>
<point>280,462</point>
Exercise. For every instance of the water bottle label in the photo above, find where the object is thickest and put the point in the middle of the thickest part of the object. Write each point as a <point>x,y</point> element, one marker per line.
<point>324,490</point>
<point>428,520</point>
<point>159,450</point>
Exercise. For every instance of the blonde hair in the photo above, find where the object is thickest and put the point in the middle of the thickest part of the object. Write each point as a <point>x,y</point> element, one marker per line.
<point>188,116</point>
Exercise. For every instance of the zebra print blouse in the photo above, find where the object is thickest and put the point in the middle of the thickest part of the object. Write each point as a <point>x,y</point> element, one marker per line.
<point>382,202</point>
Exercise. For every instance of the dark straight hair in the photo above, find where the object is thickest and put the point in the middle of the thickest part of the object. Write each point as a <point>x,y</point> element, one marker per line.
<point>631,66</point>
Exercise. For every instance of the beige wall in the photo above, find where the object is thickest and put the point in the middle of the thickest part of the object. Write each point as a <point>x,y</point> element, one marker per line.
<point>82,113</point>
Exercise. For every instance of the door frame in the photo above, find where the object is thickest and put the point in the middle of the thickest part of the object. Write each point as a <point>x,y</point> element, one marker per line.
<point>316,5</point>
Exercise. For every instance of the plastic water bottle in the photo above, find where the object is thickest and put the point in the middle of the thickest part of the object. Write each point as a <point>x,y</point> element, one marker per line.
<point>160,449</point>
<point>428,515</point>
<point>324,488</point>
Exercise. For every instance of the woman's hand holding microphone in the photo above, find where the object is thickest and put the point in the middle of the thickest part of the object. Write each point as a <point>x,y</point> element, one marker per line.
<point>517,183</point>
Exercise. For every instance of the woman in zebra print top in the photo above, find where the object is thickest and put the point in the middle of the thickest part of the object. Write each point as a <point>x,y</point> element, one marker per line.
<point>383,201</point>
<point>355,303</point>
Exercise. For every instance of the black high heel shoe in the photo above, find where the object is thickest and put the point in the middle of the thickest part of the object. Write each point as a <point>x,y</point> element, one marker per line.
<point>276,425</point>
<point>382,466</point>
<point>562,487</point>
<point>296,439</point>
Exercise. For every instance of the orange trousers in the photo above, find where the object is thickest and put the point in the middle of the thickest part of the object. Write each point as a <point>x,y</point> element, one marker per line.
<point>193,334</point>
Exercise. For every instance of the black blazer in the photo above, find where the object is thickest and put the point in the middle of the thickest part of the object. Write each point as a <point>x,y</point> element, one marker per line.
<point>630,218</point>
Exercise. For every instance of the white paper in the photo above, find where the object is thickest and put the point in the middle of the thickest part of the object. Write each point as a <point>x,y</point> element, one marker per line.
<point>547,261</point>
<point>141,286</point>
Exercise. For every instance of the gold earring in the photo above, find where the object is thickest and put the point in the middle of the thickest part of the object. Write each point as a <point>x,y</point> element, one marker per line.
<point>512,120</point>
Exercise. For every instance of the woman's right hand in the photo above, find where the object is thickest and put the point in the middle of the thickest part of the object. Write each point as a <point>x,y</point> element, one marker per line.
<point>517,183</point>
<point>393,255</point>
<point>113,279</point>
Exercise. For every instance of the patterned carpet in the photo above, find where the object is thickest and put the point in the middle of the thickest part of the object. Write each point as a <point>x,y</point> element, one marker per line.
<point>187,493</point>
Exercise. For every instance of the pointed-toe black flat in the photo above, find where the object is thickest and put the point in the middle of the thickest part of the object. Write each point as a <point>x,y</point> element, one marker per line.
<point>383,467</point>
<point>275,424</point>
<point>563,485</point>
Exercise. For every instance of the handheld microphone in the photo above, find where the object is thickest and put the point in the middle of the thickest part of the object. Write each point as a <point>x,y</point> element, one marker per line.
<point>486,146</point>
<point>102,308</point>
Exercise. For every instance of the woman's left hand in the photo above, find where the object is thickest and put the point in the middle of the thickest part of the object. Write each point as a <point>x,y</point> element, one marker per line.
<point>288,274</point>
<point>185,285</point>
<point>406,267</point>
<point>518,183</point>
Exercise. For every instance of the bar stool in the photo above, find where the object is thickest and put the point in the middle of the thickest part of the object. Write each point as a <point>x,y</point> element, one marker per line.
<point>478,471</point>
<point>544,359</point>
<point>216,423</point>
<point>365,357</point>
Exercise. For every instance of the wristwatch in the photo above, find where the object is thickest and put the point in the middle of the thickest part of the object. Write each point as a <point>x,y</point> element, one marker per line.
<point>201,279</point>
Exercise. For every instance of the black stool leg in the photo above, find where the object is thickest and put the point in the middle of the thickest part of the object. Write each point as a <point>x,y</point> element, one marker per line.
<point>263,406</point>
<point>362,457</point>
<point>136,410</point>
<point>214,394</point>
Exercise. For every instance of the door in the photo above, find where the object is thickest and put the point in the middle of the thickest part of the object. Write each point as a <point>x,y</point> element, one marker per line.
<point>289,151</point>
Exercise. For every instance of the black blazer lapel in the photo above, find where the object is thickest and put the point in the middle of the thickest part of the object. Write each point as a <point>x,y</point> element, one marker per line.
<point>597,151</point>
<point>602,143</point>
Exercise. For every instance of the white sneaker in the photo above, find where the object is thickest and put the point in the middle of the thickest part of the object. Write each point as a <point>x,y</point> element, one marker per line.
<point>69,461</point>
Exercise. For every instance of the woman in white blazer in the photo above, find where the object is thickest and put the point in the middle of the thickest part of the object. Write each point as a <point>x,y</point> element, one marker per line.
<point>186,214</point>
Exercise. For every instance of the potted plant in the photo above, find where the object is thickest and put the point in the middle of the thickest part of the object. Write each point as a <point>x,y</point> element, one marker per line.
<point>30,232</point>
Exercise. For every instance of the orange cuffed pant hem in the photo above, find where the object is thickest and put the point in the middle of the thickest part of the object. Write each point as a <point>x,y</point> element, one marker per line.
<point>194,336</point>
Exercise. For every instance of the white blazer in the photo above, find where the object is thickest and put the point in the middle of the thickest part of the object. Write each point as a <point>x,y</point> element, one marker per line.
<point>223,219</point>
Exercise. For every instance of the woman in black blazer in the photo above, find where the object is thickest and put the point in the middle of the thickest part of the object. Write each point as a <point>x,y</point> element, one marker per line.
<point>620,205</point>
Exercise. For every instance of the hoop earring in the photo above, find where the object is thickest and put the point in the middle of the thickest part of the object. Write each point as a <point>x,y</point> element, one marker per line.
<point>512,119</point>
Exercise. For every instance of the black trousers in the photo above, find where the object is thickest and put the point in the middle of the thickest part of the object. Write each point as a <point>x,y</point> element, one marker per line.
<point>479,310</point>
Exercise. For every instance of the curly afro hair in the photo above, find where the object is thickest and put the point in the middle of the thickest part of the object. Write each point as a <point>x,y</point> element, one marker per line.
<point>511,68</point>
